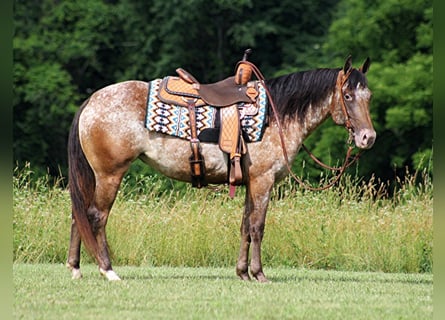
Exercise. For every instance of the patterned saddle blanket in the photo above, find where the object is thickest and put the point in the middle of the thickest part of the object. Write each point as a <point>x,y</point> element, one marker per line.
<point>173,119</point>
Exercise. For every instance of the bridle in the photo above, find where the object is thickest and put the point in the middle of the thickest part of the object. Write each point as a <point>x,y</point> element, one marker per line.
<point>341,80</point>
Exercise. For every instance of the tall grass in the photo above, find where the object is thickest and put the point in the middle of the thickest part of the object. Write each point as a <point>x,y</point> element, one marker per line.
<point>354,226</point>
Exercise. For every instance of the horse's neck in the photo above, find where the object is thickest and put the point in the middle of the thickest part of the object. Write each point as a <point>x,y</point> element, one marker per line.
<point>316,115</point>
<point>295,131</point>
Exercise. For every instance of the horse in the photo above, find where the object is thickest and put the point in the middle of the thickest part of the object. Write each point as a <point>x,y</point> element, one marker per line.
<point>108,133</point>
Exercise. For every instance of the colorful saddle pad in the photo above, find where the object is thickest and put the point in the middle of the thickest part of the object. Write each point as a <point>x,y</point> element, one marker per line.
<point>174,120</point>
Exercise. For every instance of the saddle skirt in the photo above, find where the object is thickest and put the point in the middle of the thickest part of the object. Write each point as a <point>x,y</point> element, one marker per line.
<point>167,112</point>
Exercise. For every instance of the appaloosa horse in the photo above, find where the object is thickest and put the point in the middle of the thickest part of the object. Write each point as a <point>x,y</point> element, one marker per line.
<point>108,134</point>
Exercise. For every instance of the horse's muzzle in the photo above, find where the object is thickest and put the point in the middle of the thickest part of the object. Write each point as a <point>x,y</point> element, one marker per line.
<point>365,138</point>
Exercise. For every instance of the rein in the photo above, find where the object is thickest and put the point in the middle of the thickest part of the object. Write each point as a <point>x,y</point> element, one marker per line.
<point>341,80</point>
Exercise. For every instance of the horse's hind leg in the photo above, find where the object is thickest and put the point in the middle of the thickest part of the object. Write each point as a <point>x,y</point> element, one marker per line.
<point>106,191</point>
<point>73,262</point>
<point>105,194</point>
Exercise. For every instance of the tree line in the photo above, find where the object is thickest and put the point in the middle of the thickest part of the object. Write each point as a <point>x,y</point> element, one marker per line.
<point>65,50</point>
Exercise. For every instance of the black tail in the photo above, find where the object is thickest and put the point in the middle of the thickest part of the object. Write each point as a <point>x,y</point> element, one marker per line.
<point>82,184</point>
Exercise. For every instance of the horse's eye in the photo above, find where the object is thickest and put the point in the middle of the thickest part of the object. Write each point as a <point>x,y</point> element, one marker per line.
<point>348,97</point>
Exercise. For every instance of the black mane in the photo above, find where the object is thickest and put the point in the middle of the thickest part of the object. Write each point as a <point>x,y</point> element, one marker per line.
<point>293,93</point>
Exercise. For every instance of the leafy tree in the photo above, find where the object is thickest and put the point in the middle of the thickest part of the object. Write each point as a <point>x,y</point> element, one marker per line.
<point>57,59</point>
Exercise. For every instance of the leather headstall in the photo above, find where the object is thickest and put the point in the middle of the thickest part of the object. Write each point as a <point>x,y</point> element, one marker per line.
<point>342,78</point>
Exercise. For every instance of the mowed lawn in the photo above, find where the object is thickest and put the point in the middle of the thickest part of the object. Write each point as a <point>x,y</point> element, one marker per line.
<point>46,291</point>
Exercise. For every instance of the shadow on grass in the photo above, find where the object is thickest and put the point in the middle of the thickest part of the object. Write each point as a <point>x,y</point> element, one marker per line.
<point>337,276</point>
<point>275,275</point>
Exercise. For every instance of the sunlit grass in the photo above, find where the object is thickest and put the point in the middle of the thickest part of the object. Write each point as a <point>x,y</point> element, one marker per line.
<point>46,291</point>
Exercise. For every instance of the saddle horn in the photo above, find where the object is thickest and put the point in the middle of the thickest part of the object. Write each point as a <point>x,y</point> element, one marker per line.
<point>243,70</point>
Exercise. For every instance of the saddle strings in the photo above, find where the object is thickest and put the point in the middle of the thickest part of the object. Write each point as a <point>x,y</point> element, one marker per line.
<point>347,162</point>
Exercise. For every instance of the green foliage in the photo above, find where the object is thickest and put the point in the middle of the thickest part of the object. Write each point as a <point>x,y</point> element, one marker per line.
<point>57,57</point>
<point>405,109</point>
<point>385,30</point>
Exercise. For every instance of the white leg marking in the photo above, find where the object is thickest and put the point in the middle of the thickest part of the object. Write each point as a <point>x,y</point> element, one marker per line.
<point>110,275</point>
<point>75,272</point>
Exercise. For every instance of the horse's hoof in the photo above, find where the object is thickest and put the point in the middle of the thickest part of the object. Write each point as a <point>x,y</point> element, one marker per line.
<point>260,277</point>
<point>110,275</point>
<point>76,274</point>
<point>244,276</point>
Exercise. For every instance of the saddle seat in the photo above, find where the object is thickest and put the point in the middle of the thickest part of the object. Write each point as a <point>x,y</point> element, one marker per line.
<point>178,90</point>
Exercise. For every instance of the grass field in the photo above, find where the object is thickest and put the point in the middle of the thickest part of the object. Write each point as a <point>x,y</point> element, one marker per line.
<point>46,291</point>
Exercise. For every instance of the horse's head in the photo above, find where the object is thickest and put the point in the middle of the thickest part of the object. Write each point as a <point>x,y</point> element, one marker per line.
<point>350,104</point>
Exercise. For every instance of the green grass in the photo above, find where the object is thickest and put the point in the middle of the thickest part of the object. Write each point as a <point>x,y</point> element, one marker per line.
<point>46,291</point>
<point>352,227</point>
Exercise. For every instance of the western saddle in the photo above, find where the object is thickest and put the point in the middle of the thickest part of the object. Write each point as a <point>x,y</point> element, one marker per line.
<point>226,95</point>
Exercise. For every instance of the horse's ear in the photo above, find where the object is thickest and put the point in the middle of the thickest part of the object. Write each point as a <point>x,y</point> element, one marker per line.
<point>365,67</point>
<point>348,65</point>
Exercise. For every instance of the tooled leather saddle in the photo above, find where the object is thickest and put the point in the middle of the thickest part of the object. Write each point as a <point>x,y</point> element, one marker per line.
<point>184,90</point>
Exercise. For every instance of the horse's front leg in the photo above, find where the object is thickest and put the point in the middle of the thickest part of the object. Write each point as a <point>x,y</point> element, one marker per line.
<point>243,263</point>
<point>252,229</point>
<point>256,230</point>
